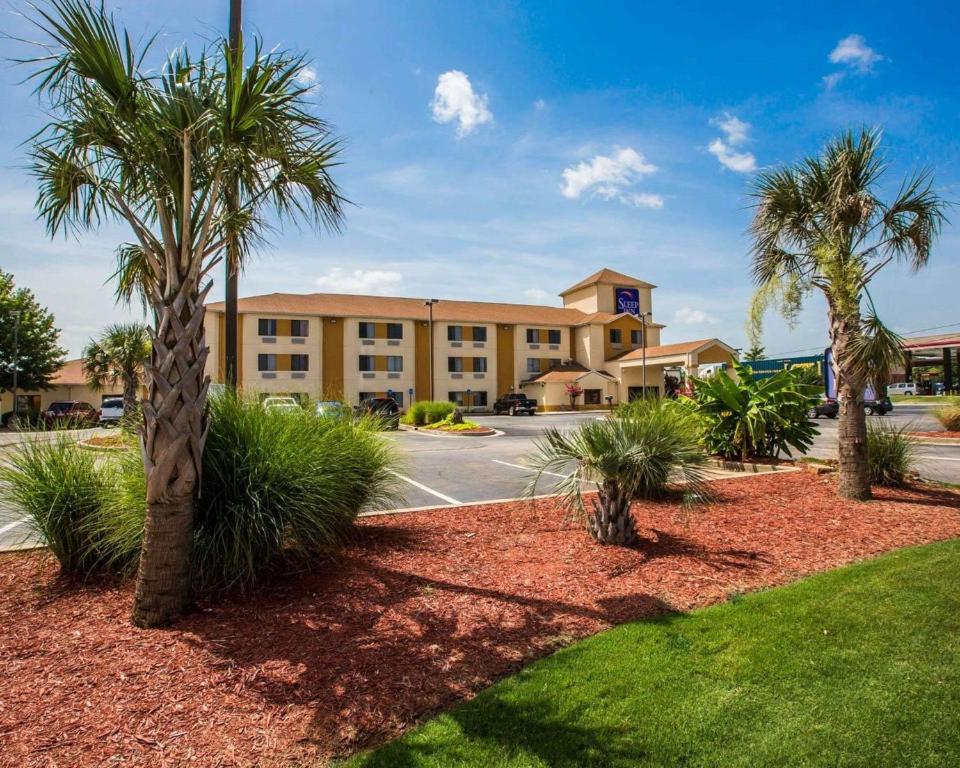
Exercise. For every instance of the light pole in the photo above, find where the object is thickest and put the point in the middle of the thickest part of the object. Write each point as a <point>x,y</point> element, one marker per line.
<point>16,363</point>
<point>429,304</point>
<point>643,348</point>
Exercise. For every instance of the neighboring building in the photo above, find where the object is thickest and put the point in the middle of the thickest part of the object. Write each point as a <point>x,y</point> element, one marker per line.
<point>351,347</point>
<point>764,369</point>
<point>69,383</point>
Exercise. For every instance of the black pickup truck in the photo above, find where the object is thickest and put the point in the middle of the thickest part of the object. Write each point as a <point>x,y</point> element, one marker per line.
<point>514,404</point>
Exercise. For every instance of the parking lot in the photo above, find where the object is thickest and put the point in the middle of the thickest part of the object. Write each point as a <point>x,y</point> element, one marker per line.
<point>440,470</point>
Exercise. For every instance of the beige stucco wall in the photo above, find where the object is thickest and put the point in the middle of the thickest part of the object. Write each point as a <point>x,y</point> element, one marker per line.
<point>445,381</point>
<point>602,298</point>
<point>523,350</point>
<point>287,382</point>
<point>80,392</point>
<point>355,382</point>
<point>552,395</point>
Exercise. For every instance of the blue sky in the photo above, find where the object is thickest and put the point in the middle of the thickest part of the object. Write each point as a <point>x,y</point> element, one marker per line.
<point>502,151</point>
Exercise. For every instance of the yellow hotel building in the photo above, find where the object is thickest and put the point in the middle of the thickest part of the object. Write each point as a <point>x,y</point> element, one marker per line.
<point>336,346</point>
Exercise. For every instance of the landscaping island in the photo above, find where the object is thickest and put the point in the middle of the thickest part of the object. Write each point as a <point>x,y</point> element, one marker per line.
<point>422,610</point>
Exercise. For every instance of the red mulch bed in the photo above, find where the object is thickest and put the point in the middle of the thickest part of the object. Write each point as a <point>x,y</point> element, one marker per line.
<point>939,433</point>
<point>423,610</point>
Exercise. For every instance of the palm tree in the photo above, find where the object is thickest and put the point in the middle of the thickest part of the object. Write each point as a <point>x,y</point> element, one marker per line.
<point>756,352</point>
<point>633,454</point>
<point>820,224</point>
<point>162,151</point>
<point>119,355</point>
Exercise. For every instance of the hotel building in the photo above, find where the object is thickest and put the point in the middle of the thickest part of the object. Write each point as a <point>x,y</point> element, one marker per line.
<point>336,346</point>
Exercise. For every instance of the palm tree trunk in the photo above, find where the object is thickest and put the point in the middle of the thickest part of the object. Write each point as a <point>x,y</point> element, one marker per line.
<point>610,522</point>
<point>130,385</point>
<point>854,476</point>
<point>172,447</point>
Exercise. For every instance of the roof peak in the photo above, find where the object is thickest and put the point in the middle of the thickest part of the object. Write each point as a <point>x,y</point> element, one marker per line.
<point>610,276</point>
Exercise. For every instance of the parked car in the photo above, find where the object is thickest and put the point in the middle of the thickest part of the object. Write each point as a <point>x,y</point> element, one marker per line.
<point>879,407</point>
<point>515,403</point>
<point>280,404</point>
<point>902,388</point>
<point>827,406</point>
<point>331,409</point>
<point>71,413</point>
<point>111,411</point>
<point>383,408</point>
<point>938,388</point>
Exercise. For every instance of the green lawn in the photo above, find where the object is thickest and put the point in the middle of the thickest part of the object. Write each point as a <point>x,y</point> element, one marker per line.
<point>855,667</point>
<point>926,399</point>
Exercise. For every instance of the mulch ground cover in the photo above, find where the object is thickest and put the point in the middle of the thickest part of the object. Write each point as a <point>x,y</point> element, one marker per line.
<point>420,611</point>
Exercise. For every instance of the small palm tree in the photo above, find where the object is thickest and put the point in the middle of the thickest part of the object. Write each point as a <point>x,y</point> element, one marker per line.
<point>193,156</point>
<point>820,225</point>
<point>118,356</point>
<point>756,352</point>
<point>630,455</point>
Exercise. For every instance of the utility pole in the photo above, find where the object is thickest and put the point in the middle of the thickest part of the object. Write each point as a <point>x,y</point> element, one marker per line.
<point>643,346</point>
<point>429,303</point>
<point>232,267</point>
<point>16,362</point>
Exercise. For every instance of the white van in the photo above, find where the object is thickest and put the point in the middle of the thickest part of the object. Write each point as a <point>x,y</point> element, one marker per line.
<point>902,388</point>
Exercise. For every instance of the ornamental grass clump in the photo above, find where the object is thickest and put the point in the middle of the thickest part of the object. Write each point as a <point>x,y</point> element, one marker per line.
<point>636,453</point>
<point>891,453</point>
<point>949,417</point>
<point>425,412</point>
<point>60,489</point>
<point>276,485</point>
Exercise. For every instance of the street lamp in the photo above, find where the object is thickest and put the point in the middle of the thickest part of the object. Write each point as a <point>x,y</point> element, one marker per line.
<point>16,363</point>
<point>643,346</point>
<point>231,287</point>
<point>429,304</point>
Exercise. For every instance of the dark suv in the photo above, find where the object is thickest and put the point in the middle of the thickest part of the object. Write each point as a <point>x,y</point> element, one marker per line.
<point>880,407</point>
<point>71,413</point>
<point>825,406</point>
<point>383,408</point>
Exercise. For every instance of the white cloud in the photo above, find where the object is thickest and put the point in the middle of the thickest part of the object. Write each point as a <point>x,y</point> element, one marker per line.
<point>540,105</point>
<point>536,295</point>
<point>610,177</point>
<point>854,52</point>
<point>830,81</point>
<point>690,316</point>
<point>736,132</point>
<point>455,99</point>
<point>307,76</point>
<point>378,282</point>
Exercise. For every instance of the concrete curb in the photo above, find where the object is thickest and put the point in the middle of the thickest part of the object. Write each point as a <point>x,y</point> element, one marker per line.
<point>437,433</point>
<point>752,467</point>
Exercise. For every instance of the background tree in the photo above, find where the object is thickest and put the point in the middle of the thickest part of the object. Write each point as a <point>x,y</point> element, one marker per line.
<point>118,357</point>
<point>756,352</point>
<point>159,150</point>
<point>39,356</point>
<point>573,391</point>
<point>821,225</point>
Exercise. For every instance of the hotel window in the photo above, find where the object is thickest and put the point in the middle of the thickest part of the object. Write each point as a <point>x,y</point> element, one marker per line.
<point>300,328</point>
<point>479,333</point>
<point>266,327</point>
<point>555,362</point>
<point>394,363</point>
<point>367,330</point>
<point>553,336</point>
<point>591,397</point>
<point>366,363</point>
<point>533,335</point>
<point>394,331</point>
<point>266,362</point>
<point>533,365</point>
<point>636,336</point>
<point>454,333</point>
<point>455,365</point>
<point>299,362</point>
<point>616,336</point>
<point>479,365</point>
<point>474,399</point>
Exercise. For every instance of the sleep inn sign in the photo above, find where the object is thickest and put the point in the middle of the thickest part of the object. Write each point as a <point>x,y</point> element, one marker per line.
<point>628,300</point>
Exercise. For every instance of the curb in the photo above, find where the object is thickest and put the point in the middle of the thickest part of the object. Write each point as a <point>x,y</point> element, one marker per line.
<point>752,467</point>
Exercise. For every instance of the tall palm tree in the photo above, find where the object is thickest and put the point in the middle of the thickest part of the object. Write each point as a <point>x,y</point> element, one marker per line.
<point>633,454</point>
<point>159,151</point>
<point>119,355</point>
<point>821,225</point>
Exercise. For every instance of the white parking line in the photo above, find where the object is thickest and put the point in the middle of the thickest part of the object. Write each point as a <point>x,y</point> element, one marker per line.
<point>14,524</point>
<point>422,487</point>
<point>527,469</point>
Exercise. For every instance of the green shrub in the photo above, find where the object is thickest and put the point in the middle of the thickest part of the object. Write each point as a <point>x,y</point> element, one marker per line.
<point>752,418</point>
<point>949,417</point>
<point>275,484</point>
<point>890,453</point>
<point>424,412</point>
<point>60,489</point>
<point>449,425</point>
